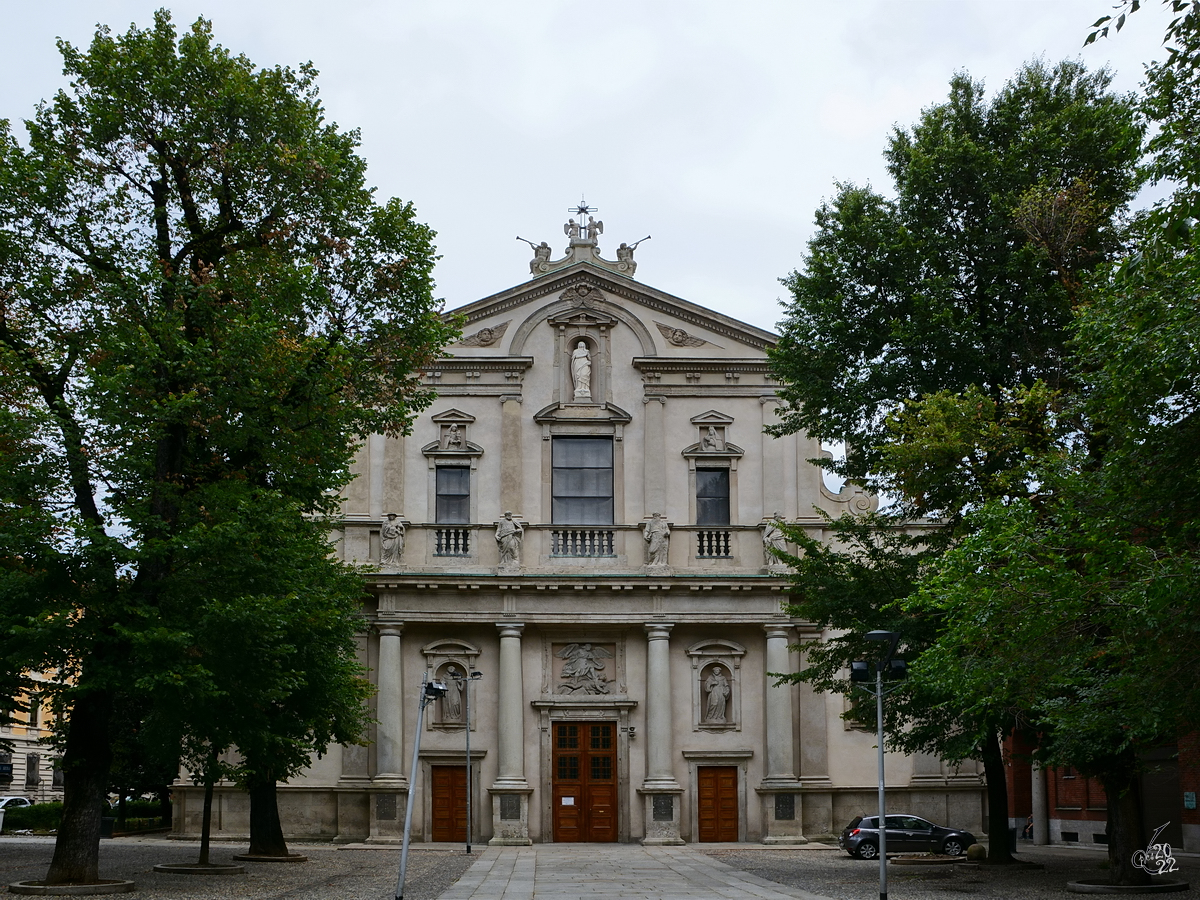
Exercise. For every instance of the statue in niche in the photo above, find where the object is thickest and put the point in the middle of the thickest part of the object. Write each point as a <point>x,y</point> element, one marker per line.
<point>583,671</point>
<point>717,687</point>
<point>571,229</point>
<point>581,371</point>
<point>594,229</point>
<point>391,541</point>
<point>452,438</point>
<point>774,539</point>
<point>509,534</point>
<point>658,538</point>
<point>452,701</point>
<point>712,440</point>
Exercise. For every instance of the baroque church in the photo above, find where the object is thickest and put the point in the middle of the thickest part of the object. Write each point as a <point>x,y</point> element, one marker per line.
<point>585,517</point>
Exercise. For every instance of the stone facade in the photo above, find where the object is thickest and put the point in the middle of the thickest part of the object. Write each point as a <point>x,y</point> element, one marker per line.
<point>582,516</point>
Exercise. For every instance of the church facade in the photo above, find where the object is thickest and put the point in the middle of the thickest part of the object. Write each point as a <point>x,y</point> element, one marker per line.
<point>585,517</point>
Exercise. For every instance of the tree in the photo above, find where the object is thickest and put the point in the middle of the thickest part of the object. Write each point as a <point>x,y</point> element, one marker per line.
<point>941,287</point>
<point>929,332</point>
<point>202,307</point>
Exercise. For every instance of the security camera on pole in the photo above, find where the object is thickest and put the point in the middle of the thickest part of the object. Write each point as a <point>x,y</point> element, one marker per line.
<point>860,673</point>
<point>430,691</point>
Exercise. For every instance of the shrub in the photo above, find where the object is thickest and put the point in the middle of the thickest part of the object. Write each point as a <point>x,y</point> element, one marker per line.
<point>39,817</point>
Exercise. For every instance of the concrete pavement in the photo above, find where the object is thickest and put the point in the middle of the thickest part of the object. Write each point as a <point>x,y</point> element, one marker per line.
<point>610,872</point>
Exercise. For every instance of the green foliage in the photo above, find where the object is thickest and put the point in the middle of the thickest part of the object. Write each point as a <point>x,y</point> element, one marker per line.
<point>40,817</point>
<point>942,287</point>
<point>203,311</point>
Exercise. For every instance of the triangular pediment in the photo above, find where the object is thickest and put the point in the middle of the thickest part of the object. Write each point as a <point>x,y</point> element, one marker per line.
<point>666,325</point>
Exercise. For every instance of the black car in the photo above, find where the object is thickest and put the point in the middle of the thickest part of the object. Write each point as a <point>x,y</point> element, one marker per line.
<point>905,834</point>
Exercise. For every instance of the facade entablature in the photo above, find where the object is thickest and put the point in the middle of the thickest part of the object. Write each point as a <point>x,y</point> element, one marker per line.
<point>478,371</point>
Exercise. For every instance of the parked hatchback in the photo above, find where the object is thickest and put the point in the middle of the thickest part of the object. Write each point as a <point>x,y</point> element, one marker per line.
<point>905,834</point>
<point>13,802</point>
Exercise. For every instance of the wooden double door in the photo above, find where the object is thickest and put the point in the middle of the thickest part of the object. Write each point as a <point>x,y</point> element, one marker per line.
<point>717,803</point>
<point>584,778</point>
<point>448,791</point>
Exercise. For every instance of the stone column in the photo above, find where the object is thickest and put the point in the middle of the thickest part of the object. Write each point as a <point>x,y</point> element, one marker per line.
<point>780,789</point>
<point>510,792</point>
<point>660,791</point>
<point>389,788</point>
<point>389,740</point>
<point>1041,808</point>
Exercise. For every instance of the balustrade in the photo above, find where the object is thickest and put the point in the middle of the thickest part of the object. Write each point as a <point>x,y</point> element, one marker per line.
<point>582,542</point>
<point>714,544</point>
<point>452,542</point>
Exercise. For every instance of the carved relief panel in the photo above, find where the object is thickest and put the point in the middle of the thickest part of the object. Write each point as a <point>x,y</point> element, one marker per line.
<point>591,665</point>
<point>716,685</point>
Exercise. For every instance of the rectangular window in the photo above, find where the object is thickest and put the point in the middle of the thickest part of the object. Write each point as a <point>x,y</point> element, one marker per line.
<point>582,481</point>
<point>712,496</point>
<point>32,776</point>
<point>453,495</point>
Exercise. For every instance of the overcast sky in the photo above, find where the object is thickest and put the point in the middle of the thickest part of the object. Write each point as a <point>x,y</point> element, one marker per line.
<point>715,127</point>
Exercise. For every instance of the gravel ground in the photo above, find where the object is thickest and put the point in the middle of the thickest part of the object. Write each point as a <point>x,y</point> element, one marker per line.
<point>329,872</point>
<point>834,874</point>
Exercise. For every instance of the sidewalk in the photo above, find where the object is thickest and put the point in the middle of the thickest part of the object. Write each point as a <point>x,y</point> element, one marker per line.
<point>611,872</point>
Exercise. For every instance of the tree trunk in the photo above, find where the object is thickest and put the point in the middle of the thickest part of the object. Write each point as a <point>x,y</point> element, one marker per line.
<point>266,831</point>
<point>121,808</point>
<point>164,806</point>
<point>997,794</point>
<point>85,764</point>
<point>1125,832</point>
<point>210,778</point>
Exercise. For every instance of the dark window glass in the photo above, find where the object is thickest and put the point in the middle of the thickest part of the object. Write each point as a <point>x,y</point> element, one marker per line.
<point>568,736</point>
<point>582,481</point>
<point>712,496</point>
<point>568,768</point>
<point>57,776</point>
<point>453,495</point>
<point>32,776</point>
<point>602,768</point>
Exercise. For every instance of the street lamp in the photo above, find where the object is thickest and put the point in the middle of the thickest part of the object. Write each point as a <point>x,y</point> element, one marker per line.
<point>464,684</point>
<point>430,691</point>
<point>860,673</point>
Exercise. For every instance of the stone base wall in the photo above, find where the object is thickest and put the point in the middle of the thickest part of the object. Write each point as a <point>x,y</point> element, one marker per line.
<point>343,815</point>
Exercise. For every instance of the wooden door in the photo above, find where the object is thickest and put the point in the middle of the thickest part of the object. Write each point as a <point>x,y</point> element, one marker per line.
<point>717,809</point>
<point>448,786</point>
<point>585,782</point>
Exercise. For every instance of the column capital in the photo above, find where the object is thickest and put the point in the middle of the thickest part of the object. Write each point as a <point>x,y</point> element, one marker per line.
<point>390,629</point>
<point>777,631</point>
<point>658,631</point>
<point>510,398</point>
<point>510,629</point>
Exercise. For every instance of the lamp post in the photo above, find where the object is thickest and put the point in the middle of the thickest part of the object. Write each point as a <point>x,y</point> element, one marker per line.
<point>430,691</point>
<point>860,673</point>
<point>464,683</point>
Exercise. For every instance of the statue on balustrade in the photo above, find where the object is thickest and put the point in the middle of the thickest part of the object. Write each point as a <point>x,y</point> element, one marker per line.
<point>658,541</point>
<point>509,534</point>
<point>391,541</point>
